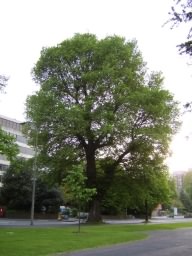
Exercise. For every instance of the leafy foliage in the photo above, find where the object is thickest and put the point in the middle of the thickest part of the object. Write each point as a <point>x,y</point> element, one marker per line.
<point>97,101</point>
<point>8,146</point>
<point>186,193</point>
<point>186,201</point>
<point>182,13</point>
<point>75,185</point>
<point>132,189</point>
<point>16,192</point>
<point>187,183</point>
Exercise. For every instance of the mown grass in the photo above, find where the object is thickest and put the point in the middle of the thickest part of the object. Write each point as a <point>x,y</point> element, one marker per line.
<point>34,241</point>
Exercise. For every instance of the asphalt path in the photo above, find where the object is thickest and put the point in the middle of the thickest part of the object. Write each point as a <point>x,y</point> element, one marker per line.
<point>36,223</point>
<point>160,243</point>
<point>5,222</point>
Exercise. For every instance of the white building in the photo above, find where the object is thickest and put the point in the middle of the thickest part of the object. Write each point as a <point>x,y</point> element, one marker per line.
<point>14,128</point>
<point>179,178</point>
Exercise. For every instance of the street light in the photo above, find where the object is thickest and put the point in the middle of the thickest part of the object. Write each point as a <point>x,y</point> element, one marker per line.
<point>34,181</point>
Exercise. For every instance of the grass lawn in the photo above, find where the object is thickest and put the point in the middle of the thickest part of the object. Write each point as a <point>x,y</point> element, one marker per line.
<point>48,241</point>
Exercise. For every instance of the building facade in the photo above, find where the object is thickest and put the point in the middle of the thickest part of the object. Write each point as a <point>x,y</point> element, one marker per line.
<point>14,128</point>
<point>179,178</point>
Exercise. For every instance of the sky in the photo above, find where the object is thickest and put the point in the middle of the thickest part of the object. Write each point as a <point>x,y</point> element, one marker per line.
<point>27,26</point>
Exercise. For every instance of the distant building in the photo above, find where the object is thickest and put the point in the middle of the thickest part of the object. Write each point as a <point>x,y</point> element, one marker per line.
<point>14,128</point>
<point>179,178</point>
<point>157,211</point>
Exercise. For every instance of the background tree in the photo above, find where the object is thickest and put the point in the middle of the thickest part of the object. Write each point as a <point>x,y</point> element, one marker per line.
<point>17,189</point>
<point>8,146</point>
<point>186,201</point>
<point>186,193</point>
<point>182,13</point>
<point>139,189</point>
<point>3,82</point>
<point>187,183</point>
<point>151,176</point>
<point>174,200</point>
<point>97,100</point>
<point>143,183</point>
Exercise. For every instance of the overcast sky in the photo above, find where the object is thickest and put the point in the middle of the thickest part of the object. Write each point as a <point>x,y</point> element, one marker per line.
<point>28,25</point>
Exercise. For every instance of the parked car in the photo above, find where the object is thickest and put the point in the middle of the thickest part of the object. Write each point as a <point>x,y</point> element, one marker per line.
<point>188,215</point>
<point>64,213</point>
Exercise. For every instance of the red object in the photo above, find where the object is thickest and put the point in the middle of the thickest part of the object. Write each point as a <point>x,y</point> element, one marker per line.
<point>2,212</point>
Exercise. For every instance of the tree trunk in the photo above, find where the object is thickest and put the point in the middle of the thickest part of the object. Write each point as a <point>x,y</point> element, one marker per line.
<point>146,211</point>
<point>79,219</point>
<point>91,167</point>
<point>95,210</point>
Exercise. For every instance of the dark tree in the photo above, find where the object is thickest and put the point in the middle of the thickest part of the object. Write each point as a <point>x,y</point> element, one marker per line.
<point>17,186</point>
<point>16,192</point>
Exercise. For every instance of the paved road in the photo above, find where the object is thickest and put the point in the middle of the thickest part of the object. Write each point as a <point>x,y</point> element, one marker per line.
<point>160,243</point>
<point>154,220</point>
<point>48,223</point>
<point>37,223</point>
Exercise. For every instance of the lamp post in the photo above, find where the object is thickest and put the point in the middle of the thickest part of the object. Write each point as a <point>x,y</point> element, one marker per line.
<point>34,181</point>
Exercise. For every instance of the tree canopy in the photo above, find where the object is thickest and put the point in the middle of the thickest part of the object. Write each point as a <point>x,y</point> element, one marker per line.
<point>97,101</point>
